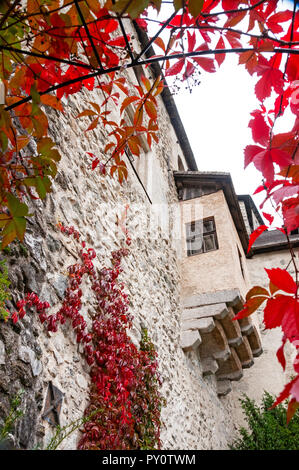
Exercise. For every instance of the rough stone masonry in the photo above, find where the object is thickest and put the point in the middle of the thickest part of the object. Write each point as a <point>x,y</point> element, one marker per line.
<point>30,357</point>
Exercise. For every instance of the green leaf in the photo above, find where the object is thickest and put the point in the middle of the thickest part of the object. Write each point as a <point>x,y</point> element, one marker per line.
<point>133,7</point>
<point>16,208</point>
<point>34,94</point>
<point>178,4</point>
<point>45,148</point>
<point>195,7</point>
<point>41,184</point>
<point>15,228</point>
<point>14,225</point>
<point>157,4</point>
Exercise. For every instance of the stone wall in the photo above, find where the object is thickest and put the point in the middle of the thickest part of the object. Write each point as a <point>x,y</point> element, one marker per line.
<point>30,357</point>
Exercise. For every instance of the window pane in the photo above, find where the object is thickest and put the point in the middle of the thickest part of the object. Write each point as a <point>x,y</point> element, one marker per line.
<point>210,242</point>
<point>194,228</point>
<point>194,245</point>
<point>208,225</point>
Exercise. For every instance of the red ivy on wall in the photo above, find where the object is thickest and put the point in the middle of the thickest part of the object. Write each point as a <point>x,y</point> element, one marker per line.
<point>124,379</point>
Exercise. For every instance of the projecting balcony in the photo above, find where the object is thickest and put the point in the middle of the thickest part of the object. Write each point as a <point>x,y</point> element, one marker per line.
<point>225,346</point>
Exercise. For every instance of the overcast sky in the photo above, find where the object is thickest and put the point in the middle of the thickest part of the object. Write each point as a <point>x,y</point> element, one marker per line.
<point>215,116</point>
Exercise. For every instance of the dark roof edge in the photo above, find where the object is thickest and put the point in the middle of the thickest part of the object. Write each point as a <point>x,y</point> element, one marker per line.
<point>249,204</point>
<point>169,104</point>
<point>273,247</point>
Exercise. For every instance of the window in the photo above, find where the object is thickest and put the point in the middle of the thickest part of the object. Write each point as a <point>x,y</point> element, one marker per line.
<point>201,236</point>
<point>241,262</point>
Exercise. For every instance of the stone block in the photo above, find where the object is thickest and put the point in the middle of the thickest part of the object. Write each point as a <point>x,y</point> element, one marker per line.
<point>217,311</point>
<point>204,325</point>
<point>2,353</point>
<point>255,342</point>
<point>231,297</point>
<point>232,329</point>
<point>209,366</point>
<point>190,340</point>
<point>231,369</point>
<point>246,326</point>
<point>245,353</point>
<point>214,344</point>
<point>223,387</point>
<point>28,356</point>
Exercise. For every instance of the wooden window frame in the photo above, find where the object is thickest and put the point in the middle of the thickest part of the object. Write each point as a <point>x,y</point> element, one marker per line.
<point>203,234</point>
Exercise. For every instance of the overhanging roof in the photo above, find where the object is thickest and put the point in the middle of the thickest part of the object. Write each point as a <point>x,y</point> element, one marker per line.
<point>169,104</point>
<point>270,240</point>
<point>273,240</point>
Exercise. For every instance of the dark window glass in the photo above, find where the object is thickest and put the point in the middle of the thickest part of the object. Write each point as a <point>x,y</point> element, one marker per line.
<point>201,236</point>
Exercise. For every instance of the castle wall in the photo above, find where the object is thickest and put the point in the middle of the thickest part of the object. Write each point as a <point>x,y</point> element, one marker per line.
<point>194,417</point>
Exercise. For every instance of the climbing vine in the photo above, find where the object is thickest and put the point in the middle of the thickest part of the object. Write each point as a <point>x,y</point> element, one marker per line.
<point>125,401</point>
<point>4,291</point>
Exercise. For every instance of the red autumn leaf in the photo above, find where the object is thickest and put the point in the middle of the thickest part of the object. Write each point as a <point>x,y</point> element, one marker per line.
<point>282,279</point>
<point>234,19</point>
<point>151,110</point>
<point>259,128</point>
<point>250,60</point>
<point>191,41</point>
<point>264,159</point>
<point>275,310</point>
<point>250,307</point>
<point>14,317</point>
<point>271,78</point>
<point>255,234</point>
<point>290,321</point>
<point>286,191</point>
<point>280,353</point>
<point>176,68</point>
<point>255,291</point>
<point>280,17</point>
<point>291,389</point>
<point>287,141</point>
<point>250,152</point>
<point>95,163</point>
<point>206,63</point>
<point>86,112</point>
<point>233,38</point>
<point>220,57</point>
<point>127,101</point>
<point>269,217</point>
<point>159,41</point>
<point>93,125</point>
<point>263,162</point>
<point>292,408</point>
<point>290,211</point>
<point>189,70</point>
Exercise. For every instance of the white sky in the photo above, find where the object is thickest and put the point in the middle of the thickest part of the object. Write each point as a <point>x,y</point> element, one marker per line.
<point>215,116</point>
